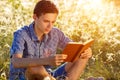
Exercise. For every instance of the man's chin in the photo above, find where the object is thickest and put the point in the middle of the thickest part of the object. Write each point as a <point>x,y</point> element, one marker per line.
<point>46,32</point>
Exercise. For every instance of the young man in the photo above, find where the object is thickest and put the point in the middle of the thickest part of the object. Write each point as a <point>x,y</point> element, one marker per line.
<point>33,51</point>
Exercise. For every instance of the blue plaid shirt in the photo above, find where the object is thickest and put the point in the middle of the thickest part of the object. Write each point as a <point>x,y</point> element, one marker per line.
<point>26,42</point>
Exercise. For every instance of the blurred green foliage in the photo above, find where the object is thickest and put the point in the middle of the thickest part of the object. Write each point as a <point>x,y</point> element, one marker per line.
<point>80,20</point>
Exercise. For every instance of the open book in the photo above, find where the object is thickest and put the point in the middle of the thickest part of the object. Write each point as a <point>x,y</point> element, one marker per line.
<point>74,49</point>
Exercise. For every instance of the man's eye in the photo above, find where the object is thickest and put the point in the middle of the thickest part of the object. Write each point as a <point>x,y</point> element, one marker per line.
<point>53,22</point>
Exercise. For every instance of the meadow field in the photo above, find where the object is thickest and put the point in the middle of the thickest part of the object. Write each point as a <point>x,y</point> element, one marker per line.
<point>80,20</point>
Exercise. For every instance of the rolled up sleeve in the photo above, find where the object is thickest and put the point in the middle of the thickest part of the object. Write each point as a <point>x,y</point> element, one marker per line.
<point>17,44</point>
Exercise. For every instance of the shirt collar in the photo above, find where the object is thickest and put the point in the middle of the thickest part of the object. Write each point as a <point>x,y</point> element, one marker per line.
<point>33,35</point>
<point>45,37</point>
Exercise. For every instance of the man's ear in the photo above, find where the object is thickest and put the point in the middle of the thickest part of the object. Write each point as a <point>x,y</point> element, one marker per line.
<point>34,16</point>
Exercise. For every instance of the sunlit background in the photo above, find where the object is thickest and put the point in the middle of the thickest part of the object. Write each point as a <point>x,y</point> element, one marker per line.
<point>78,19</point>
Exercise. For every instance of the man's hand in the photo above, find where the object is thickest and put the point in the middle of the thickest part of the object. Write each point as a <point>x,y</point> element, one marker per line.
<point>56,60</point>
<point>86,54</point>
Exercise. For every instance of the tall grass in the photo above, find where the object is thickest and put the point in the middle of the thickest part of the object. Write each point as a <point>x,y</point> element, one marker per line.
<point>80,20</point>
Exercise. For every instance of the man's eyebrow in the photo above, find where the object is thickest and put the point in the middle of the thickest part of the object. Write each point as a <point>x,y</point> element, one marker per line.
<point>49,21</point>
<point>46,20</point>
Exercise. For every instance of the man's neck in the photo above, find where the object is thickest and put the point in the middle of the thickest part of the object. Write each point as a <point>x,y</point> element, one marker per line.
<point>38,34</point>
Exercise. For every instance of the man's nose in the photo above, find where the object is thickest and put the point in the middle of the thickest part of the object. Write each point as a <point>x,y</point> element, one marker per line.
<point>50,24</point>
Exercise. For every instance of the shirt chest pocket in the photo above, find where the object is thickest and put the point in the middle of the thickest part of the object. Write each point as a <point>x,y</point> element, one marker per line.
<point>48,52</point>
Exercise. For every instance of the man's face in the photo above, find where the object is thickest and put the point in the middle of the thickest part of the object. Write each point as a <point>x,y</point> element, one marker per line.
<point>45,22</point>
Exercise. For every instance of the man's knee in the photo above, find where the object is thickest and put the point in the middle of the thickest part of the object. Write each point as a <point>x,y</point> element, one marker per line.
<point>36,70</point>
<point>36,73</point>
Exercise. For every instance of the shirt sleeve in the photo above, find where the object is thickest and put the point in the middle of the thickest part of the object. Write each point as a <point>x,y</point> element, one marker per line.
<point>63,40</point>
<point>17,44</point>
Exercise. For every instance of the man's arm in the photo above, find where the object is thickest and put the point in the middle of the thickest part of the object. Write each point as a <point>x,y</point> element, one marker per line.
<point>19,62</point>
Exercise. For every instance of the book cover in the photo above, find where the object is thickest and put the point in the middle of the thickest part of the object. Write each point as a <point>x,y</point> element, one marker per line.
<point>74,49</point>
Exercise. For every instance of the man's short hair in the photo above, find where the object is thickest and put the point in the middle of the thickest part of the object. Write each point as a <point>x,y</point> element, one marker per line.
<point>45,6</point>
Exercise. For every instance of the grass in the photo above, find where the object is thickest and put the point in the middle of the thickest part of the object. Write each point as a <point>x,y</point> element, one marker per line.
<point>80,20</point>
